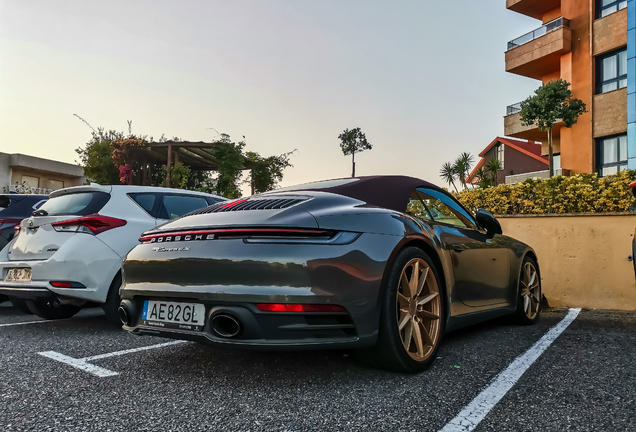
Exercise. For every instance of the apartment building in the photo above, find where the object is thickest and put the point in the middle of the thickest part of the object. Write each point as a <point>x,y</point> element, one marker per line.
<point>592,45</point>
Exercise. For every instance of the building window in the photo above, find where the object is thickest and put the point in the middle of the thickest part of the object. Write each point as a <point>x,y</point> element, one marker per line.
<point>611,71</point>
<point>31,181</point>
<point>556,161</point>
<point>607,7</point>
<point>500,155</point>
<point>56,184</point>
<point>611,154</point>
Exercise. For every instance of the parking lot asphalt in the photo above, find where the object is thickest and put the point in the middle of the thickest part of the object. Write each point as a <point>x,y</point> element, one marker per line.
<point>585,380</point>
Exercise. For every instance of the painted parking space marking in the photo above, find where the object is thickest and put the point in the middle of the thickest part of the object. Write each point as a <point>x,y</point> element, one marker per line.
<point>476,411</point>
<point>80,315</point>
<point>24,322</point>
<point>82,363</point>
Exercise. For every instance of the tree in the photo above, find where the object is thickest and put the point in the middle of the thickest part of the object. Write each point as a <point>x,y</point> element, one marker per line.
<point>97,157</point>
<point>267,172</point>
<point>447,173</point>
<point>351,142</point>
<point>230,166</point>
<point>462,167</point>
<point>552,103</point>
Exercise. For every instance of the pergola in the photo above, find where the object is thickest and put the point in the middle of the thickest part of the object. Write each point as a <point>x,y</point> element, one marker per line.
<point>198,156</point>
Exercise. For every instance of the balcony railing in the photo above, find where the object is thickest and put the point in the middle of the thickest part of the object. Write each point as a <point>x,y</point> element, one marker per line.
<point>529,37</point>
<point>513,109</point>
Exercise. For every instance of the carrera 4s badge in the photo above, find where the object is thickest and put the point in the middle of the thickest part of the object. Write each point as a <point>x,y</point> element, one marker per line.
<point>170,249</point>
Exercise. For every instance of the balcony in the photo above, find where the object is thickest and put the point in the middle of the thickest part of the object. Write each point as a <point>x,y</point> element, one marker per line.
<point>514,128</point>
<point>532,8</point>
<point>539,52</point>
<point>513,109</point>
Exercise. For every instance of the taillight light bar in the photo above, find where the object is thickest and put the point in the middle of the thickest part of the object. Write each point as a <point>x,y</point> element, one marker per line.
<point>233,232</point>
<point>286,307</point>
<point>91,224</point>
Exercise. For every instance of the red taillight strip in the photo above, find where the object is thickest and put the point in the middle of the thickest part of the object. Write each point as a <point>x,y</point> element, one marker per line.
<point>233,203</point>
<point>285,307</point>
<point>65,284</point>
<point>237,231</point>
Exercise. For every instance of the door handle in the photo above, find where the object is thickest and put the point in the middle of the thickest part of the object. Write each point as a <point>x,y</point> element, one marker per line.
<point>459,247</point>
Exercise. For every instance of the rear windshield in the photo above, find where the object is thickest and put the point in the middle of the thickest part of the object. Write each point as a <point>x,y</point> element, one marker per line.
<point>77,204</point>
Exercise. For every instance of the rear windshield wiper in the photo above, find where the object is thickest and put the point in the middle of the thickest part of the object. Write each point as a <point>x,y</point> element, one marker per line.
<point>40,213</point>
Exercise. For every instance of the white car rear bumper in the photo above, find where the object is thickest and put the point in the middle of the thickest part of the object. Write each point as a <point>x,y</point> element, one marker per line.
<point>73,262</point>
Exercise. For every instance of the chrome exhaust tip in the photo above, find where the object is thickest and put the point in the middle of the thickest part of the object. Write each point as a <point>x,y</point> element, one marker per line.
<point>226,325</point>
<point>126,312</point>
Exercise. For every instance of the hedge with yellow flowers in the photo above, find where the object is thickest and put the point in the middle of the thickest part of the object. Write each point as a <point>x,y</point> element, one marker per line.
<point>581,193</point>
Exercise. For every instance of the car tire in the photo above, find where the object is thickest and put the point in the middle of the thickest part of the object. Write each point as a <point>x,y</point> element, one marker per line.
<point>113,300</point>
<point>20,304</point>
<point>529,292</point>
<point>3,298</point>
<point>47,309</point>
<point>412,315</point>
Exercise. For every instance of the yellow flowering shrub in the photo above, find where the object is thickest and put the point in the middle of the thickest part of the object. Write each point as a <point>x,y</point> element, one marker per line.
<point>581,193</point>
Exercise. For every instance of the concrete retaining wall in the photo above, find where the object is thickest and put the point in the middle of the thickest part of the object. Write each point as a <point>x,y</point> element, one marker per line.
<point>583,258</point>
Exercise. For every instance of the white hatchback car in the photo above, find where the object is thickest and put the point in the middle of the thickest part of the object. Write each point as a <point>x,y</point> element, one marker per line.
<point>70,251</point>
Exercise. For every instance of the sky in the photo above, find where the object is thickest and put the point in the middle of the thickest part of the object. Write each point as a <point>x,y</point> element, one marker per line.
<point>423,79</point>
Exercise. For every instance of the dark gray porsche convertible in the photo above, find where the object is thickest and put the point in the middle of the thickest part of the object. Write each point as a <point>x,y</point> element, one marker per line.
<point>384,265</point>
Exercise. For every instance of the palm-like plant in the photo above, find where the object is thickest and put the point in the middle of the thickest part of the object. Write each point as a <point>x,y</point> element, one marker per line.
<point>447,173</point>
<point>462,167</point>
<point>483,177</point>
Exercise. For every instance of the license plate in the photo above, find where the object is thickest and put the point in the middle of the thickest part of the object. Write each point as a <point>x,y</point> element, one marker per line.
<point>184,316</point>
<point>18,274</point>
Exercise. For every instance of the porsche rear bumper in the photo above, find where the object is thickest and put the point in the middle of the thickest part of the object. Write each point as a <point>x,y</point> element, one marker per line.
<point>232,276</point>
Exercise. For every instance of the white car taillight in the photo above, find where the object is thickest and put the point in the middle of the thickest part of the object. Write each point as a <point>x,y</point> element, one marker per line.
<point>91,224</point>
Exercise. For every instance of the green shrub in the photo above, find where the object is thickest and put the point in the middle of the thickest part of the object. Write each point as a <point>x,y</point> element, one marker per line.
<point>581,193</point>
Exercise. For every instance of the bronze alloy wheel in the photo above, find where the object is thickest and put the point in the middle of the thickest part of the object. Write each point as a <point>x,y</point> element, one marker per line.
<point>418,309</point>
<point>530,289</point>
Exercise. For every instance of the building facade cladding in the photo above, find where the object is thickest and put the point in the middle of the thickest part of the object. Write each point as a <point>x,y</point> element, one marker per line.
<point>631,84</point>
<point>599,34</point>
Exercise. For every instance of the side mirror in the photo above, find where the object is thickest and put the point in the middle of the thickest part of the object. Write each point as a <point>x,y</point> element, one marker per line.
<point>487,221</point>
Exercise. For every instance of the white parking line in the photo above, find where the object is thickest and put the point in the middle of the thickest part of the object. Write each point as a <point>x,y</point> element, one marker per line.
<point>82,363</point>
<point>26,322</point>
<point>475,411</point>
<point>86,313</point>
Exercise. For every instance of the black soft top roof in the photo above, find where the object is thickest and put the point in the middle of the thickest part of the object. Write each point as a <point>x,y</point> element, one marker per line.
<point>390,191</point>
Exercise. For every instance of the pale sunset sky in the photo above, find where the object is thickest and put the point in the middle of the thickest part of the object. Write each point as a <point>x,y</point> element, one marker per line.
<point>424,79</point>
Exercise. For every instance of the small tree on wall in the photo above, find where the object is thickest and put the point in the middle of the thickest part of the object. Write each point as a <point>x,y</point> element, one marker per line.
<point>551,103</point>
<point>351,142</point>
